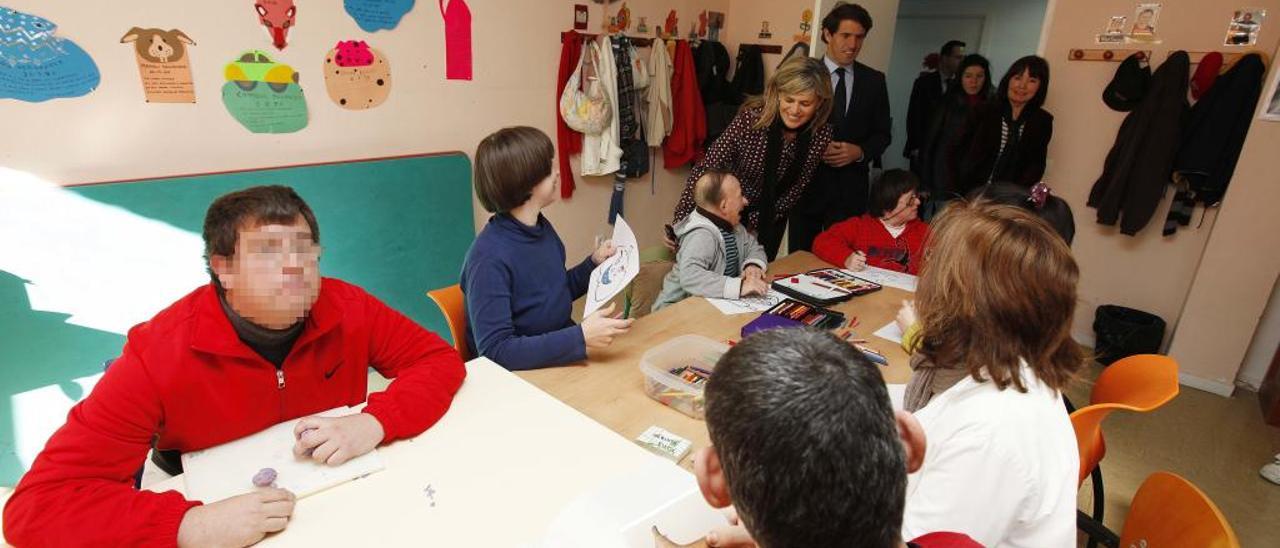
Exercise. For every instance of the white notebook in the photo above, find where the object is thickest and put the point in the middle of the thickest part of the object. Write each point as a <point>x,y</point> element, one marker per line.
<point>227,470</point>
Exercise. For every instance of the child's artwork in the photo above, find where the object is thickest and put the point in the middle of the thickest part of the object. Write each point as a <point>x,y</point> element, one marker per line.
<point>163,64</point>
<point>236,467</point>
<point>900,280</point>
<point>747,305</point>
<point>264,95</point>
<point>376,15</point>
<point>457,39</point>
<point>357,76</point>
<point>36,65</point>
<point>278,17</point>
<point>1244,26</point>
<point>611,276</point>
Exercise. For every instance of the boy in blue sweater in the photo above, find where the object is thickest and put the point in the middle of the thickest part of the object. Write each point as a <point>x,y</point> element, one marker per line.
<point>519,296</point>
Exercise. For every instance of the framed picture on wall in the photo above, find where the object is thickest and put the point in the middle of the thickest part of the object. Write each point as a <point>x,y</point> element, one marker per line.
<point>1271,101</point>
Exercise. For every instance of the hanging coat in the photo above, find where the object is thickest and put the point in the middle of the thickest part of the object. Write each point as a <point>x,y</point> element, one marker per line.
<point>602,153</point>
<point>1217,127</point>
<point>658,117</point>
<point>689,126</point>
<point>1140,163</point>
<point>748,73</point>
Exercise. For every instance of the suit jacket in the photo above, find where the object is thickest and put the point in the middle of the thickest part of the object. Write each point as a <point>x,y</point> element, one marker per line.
<point>980,144</point>
<point>926,95</point>
<point>867,125</point>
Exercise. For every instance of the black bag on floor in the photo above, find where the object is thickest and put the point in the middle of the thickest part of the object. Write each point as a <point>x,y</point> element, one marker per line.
<point>1120,331</point>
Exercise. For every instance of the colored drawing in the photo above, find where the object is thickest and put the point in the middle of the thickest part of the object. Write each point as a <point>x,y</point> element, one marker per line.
<point>263,95</point>
<point>357,76</point>
<point>613,275</point>
<point>163,64</point>
<point>278,17</point>
<point>36,65</point>
<point>376,15</point>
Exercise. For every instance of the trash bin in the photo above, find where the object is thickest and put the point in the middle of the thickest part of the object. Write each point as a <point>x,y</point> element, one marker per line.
<point>1121,331</point>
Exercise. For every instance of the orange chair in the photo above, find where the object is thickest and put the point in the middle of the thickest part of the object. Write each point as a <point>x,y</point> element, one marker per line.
<point>1138,383</point>
<point>454,307</point>
<point>1169,512</point>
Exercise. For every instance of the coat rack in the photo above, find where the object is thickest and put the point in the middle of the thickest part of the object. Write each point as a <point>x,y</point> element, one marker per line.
<point>1228,57</point>
<point>637,41</point>
<point>1108,55</point>
<point>765,48</point>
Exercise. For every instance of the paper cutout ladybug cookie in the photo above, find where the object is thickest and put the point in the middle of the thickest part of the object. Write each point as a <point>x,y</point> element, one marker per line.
<point>357,76</point>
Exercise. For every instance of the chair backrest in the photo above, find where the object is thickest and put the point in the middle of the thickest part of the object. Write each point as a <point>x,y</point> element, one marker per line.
<point>1169,512</point>
<point>655,263</point>
<point>454,307</point>
<point>1138,383</point>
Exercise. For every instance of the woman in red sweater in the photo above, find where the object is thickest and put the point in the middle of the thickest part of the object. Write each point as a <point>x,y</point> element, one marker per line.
<point>890,235</point>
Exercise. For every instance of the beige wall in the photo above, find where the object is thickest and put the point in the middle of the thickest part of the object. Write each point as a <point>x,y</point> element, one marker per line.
<point>1149,271</point>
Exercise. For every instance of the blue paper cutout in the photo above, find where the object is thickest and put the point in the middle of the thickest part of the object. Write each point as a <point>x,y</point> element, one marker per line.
<point>376,15</point>
<point>36,66</point>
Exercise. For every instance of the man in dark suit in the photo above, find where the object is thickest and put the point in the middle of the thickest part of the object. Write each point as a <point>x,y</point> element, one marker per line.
<point>926,95</point>
<point>860,118</point>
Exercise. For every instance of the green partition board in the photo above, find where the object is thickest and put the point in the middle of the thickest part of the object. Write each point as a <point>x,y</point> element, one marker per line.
<point>398,227</point>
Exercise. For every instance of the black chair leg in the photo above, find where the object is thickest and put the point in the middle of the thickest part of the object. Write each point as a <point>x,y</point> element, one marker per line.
<point>1099,500</point>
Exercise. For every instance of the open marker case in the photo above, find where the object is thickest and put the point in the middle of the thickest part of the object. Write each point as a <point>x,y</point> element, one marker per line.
<point>825,286</point>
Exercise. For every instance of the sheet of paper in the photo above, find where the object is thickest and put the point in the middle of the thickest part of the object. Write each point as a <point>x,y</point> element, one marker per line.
<point>611,276</point>
<point>897,395</point>
<point>890,332</point>
<point>376,15</point>
<point>748,305</point>
<point>357,76</point>
<point>227,470</point>
<point>163,64</point>
<point>37,65</point>
<point>889,278</point>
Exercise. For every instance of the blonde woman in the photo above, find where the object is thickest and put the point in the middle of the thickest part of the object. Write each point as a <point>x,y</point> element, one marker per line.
<point>773,146</point>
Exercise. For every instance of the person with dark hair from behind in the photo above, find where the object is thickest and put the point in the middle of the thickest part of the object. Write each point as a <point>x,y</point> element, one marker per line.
<point>519,296</point>
<point>1008,138</point>
<point>926,96</point>
<point>1038,199</point>
<point>890,235</point>
<point>862,130</point>
<point>937,159</point>
<point>266,340</point>
<point>807,448</point>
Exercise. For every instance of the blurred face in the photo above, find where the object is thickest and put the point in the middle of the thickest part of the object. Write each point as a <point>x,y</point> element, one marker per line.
<point>274,277</point>
<point>844,44</point>
<point>797,110</point>
<point>908,209</point>
<point>950,62</point>
<point>973,80</point>
<point>1023,87</point>
<point>732,201</point>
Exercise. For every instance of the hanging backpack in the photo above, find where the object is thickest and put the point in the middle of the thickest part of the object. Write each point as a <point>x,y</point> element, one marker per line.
<point>588,112</point>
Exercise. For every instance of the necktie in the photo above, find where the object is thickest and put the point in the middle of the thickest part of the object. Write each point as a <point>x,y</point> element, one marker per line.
<point>841,100</point>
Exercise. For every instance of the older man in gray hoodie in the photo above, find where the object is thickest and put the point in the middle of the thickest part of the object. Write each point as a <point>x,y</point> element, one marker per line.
<point>717,257</point>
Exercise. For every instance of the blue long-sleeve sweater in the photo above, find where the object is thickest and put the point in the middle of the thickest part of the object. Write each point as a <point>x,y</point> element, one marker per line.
<point>520,298</point>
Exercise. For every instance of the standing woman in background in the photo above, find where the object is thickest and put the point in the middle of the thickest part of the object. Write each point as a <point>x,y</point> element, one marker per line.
<point>938,153</point>
<point>1008,139</point>
<point>773,146</point>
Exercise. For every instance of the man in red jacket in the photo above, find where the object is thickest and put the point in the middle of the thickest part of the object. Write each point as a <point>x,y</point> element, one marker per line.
<point>268,340</point>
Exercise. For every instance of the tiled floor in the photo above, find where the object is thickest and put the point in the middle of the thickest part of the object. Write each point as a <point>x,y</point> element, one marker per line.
<point>1216,443</point>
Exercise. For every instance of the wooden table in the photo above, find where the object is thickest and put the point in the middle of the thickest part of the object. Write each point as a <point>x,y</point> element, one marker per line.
<point>609,387</point>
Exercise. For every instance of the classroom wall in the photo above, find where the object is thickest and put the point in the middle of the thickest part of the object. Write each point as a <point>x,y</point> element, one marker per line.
<point>1210,331</point>
<point>1263,347</point>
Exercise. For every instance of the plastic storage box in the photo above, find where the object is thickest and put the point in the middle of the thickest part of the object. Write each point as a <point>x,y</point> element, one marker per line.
<point>670,390</point>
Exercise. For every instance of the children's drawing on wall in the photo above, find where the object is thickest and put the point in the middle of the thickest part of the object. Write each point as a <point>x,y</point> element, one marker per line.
<point>278,17</point>
<point>806,26</point>
<point>357,76</point>
<point>1113,33</point>
<point>457,39</point>
<point>643,26</point>
<point>376,15</point>
<point>612,276</point>
<point>263,95</point>
<point>36,65</point>
<point>163,64</point>
<point>580,17</point>
<point>1145,18</point>
<point>1244,26</point>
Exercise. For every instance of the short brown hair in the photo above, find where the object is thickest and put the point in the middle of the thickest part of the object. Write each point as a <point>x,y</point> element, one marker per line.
<point>998,285</point>
<point>709,188</point>
<point>886,191</point>
<point>252,206</point>
<point>509,163</point>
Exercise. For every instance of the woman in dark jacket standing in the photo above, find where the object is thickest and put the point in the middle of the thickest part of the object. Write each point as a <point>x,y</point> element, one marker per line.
<point>938,155</point>
<point>1008,138</point>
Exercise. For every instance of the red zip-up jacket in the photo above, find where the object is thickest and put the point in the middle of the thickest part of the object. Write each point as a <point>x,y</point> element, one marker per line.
<point>186,377</point>
<point>689,115</point>
<point>867,234</point>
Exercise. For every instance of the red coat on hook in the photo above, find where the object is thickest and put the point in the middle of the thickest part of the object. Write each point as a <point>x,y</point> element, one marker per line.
<point>689,117</point>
